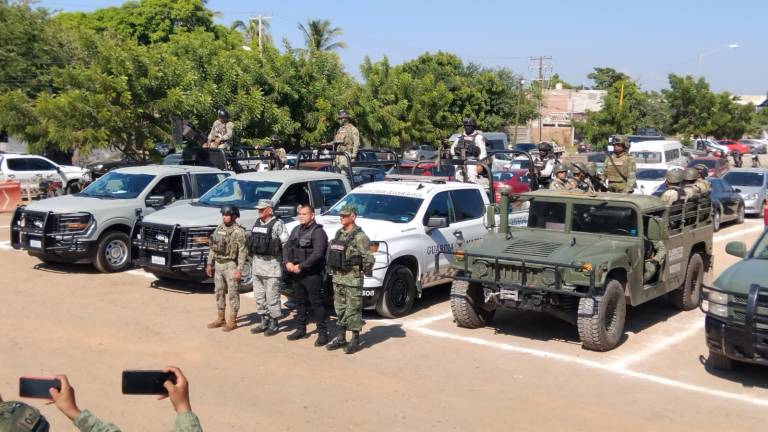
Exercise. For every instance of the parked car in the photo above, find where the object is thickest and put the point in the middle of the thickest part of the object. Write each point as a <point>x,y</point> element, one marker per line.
<point>420,152</point>
<point>423,169</point>
<point>649,179</point>
<point>518,181</point>
<point>727,202</point>
<point>753,183</point>
<point>754,144</point>
<point>98,169</point>
<point>736,307</point>
<point>360,175</point>
<point>734,145</point>
<point>30,168</point>
<point>658,154</point>
<point>716,166</point>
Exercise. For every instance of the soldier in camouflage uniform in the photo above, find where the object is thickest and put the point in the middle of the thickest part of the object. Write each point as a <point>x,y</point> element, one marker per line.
<point>620,169</point>
<point>349,259</point>
<point>560,180</point>
<point>222,131</point>
<point>277,144</point>
<point>690,175</point>
<point>594,177</point>
<point>17,416</point>
<point>469,145</point>
<point>544,164</point>
<point>701,183</point>
<point>265,245</point>
<point>656,253</point>
<point>674,192</point>
<point>347,139</point>
<point>229,252</point>
<point>579,181</point>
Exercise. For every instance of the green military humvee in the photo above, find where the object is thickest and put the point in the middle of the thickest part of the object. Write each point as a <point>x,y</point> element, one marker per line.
<point>581,258</point>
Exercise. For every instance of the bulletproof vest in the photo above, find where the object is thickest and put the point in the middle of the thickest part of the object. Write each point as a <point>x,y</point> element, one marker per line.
<point>261,241</point>
<point>218,241</point>
<point>618,173</point>
<point>301,243</point>
<point>18,417</point>
<point>467,143</point>
<point>337,253</point>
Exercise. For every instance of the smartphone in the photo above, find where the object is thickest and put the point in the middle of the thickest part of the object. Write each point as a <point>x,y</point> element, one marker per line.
<point>146,382</point>
<point>37,387</point>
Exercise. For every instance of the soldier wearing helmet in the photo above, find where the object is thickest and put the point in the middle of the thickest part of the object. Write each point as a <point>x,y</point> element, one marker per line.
<point>226,263</point>
<point>544,164</point>
<point>620,169</point>
<point>347,139</point>
<point>470,145</point>
<point>222,131</point>
<point>580,181</point>
<point>560,180</point>
<point>674,192</point>
<point>701,183</point>
<point>690,175</point>
<point>594,177</point>
<point>276,143</point>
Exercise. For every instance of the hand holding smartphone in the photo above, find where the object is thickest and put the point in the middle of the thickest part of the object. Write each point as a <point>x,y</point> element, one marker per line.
<point>146,382</point>
<point>38,387</point>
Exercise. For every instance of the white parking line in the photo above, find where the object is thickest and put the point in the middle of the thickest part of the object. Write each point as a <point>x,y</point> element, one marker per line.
<point>5,226</point>
<point>737,234</point>
<point>655,346</point>
<point>595,365</point>
<point>5,245</point>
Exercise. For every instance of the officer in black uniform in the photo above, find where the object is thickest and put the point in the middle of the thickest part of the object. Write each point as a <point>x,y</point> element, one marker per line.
<point>304,258</point>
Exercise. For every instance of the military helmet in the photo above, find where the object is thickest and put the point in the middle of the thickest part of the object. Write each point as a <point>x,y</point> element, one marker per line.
<point>468,121</point>
<point>578,168</point>
<point>275,137</point>
<point>592,168</point>
<point>674,176</point>
<point>691,174</point>
<point>222,113</point>
<point>19,417</point>
<point>703,170</point>
<point>620,139</point>
<point>545,146</point>
<point>230,210</point>
<point>560,168</point>
<point>343,114</point>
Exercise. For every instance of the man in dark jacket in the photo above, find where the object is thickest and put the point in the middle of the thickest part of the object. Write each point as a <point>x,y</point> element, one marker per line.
<point>304,258</point>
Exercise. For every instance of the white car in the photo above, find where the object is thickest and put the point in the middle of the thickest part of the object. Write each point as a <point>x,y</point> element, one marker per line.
<point>409,220</point>
<point>649,179</point>
<point>31,169</point>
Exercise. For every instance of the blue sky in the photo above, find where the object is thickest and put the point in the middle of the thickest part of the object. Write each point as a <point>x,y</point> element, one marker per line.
<point>646,40</point>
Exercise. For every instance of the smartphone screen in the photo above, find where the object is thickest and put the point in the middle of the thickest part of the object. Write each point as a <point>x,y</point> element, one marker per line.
<point>146,382</point>
<point>37,387</point>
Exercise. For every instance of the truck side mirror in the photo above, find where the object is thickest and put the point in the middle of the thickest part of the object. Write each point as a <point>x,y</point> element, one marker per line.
<point>736,248</point>
<point>155,201</point>
<point>285,211</point>
<point>436,222</point>
<point>655,230</point>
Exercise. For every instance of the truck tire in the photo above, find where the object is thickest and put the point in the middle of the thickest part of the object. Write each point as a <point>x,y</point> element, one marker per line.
<point>740,212</point>
<point>246,280</point>
<point>113,252</point>
<point>687,297</point>
<point>719,361</point>
<point>716,221</point>
<point>466,305</point>
<point>600,320</point>
<point>399,292</point>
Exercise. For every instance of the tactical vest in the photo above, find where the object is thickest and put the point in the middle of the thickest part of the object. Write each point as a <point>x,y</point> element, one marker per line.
<point>22,417</point>
<point>616,171</point>
<point>301,243</point>
<point>218,242</point>
<point>262,242</point>
<point>337,253</point>
<point>467,143</point>
<point>680,192</point>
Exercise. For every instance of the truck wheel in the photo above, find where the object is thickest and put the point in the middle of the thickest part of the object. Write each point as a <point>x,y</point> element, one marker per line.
<point>687,296</point>
<point>740,212</point>
<point>466,305</point>
<point>601,319</point>
<point>246,279</point>
<point>113,252</point>
<point>399,292</point>
<point>719,361</point>
<point>716,221</point>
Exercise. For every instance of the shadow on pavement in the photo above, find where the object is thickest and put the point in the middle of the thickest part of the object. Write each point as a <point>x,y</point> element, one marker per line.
<point>746,374</point>
<point>65,268</point>
<point>379,334</point>
<point>649,314</point>
<point>181,286</point>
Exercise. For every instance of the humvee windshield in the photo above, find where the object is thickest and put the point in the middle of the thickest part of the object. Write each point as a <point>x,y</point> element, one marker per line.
<point>547,215</point>
<point>604,219</point>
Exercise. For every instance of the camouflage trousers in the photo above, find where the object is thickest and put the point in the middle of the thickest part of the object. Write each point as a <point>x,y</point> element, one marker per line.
<point>266,291</point>
<point>226,286</point>
<point>348,302</point>
<point>342,165</point>
<point>651,267</point>
<point>618,187</point>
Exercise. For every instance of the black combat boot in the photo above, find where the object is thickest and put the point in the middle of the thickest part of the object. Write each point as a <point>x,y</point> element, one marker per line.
<point>339,341</point>
<point>259,328</point>
<point>354,344</point>
<point>322,338</point>
<point>300,332</point>
<point>273,328</point>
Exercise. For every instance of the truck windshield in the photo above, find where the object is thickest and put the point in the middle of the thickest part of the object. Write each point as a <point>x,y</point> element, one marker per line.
<point>647,157</point>
<point>118,185</point>
<point>242,193</point>
<point>736,178</point>
<point>390,208</point>
<point>604,219</point>
<point>547,215</point>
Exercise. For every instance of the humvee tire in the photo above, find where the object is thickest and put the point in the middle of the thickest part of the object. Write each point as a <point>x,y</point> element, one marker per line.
<point>687,297</point>
<point>719,361</point>
<point>601,319</point>
<point>466,300</point>
<point>399,292</point>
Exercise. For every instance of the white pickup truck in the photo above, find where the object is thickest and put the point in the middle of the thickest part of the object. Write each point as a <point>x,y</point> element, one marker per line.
<point>409,220</point>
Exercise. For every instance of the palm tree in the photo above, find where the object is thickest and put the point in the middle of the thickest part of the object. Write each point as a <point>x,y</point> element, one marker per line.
<point>250,31</point>
<point>319,35</point>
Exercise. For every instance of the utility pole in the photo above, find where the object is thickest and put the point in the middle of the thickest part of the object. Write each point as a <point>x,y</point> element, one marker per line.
<point>260,19</point>
<point>542,69</point>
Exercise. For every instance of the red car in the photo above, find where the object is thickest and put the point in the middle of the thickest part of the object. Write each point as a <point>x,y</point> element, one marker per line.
<point>517,180</point>
<point>715,165</point>
<point>734,145</point>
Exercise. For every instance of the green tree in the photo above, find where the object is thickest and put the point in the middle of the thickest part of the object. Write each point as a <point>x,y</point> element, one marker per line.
<point>251,31</point>
<point>692,106</point>
<point>320,36</point>
<point>618,115</point>
<point>605,77</point>
<point>730,119</point>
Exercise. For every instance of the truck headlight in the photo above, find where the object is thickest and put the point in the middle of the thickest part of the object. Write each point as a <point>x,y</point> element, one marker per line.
<point>548,276</point>
<point>717,297</point>
<point>750,197</point>
<point>718,310</point>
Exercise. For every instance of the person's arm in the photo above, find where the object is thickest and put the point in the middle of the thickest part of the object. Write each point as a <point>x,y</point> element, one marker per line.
<point>242,251</point>
<point>187,422</point>
<point>631,169</point>
<point>480,143</point>
<point>83,420</point>
<point>178,393</point>
<point>211,134</point>
<point>229,131</point>
<point>281,233</point>
<point>365,251</point>
<point>320,243</point>
<point>287,255</point>
<point>355,142</point>
<point>549,165</point>
<point>87,422</point>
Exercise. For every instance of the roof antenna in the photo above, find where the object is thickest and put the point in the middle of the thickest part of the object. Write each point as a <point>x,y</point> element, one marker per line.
<point>420,186</point>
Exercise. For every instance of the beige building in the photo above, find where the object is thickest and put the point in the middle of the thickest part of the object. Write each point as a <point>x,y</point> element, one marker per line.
<point>560,108</point>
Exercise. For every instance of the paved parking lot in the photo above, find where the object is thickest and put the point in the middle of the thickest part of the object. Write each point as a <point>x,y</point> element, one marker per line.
<point>526,372</point>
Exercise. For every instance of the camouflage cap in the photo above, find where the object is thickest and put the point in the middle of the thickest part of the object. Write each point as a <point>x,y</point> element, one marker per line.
<point>347,209</point>
<point>674,176</point>
<point>264,203</point>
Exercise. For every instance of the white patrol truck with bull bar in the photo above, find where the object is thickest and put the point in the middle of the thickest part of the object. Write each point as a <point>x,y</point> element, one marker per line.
<point>94,226</point>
